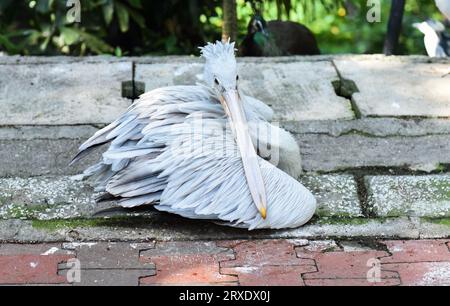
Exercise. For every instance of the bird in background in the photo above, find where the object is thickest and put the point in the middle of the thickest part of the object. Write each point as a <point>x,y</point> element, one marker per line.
<point>277,38</point>
<point>436,40</point>
<point>219,168</point>
<point>444,7</point>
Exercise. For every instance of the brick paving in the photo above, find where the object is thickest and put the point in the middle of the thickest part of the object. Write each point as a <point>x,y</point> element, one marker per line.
<point>230,263</point>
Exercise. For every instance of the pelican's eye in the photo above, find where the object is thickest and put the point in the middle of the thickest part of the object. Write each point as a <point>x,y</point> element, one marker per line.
<point>237,78</point>
<point>216,81</point>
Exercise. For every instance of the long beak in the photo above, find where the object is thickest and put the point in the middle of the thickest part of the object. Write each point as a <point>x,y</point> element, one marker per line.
<point>233,108</point>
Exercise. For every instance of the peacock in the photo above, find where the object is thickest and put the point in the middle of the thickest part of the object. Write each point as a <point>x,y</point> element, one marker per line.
<point>277,38</point>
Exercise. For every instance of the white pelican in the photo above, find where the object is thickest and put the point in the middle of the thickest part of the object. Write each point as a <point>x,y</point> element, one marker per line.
<point>444,7</point>
<point>159,154</point>
<point>437,43</point>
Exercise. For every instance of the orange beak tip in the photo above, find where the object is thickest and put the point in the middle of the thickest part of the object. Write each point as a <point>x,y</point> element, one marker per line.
<point>263,213</point>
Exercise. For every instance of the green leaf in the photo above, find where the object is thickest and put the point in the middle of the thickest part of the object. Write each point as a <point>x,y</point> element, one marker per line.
<point>122,16</point>
<point>95,44</point>
<point>108,11</point>
<point>118,52</point>
<point>138,18</point>
<point>8,45</point>
<point>135,3</point>
<point>4,4</point>
<point>43,6</point>
<point>70,35</point>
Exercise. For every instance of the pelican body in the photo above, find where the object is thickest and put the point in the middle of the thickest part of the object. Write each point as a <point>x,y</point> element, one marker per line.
<point>201,152</point>
<point>436,41</point>
<point>444,7</point>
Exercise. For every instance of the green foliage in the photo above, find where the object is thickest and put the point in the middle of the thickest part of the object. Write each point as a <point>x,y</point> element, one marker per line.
<point>136,27</point>
<point>42,26</point>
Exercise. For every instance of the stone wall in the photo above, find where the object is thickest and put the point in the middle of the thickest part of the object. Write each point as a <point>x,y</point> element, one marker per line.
<point>374,133</point>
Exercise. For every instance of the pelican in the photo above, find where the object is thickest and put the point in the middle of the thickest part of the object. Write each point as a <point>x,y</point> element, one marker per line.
<point>444,7</point>
<point>437,42</point>
<point>201,152</point>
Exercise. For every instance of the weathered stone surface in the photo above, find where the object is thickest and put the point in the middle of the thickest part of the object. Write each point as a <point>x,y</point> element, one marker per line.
<point>62,93</point>
<point>42,157</point>
<point>328,153</point>
<point>398,88</point>
<point>336,195</point>
<point>39,60</point>
<point>423,196</point>
<point>160,226</point>
<point>45,198</point>
<point>62,197</point>
<point>433,227</point>
<point>375,127</point>
<point>48,150</point>
<point>296,91</point>
<point>25,133</point>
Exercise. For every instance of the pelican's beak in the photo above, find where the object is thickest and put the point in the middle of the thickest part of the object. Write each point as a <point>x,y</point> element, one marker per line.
<point>232,105</point>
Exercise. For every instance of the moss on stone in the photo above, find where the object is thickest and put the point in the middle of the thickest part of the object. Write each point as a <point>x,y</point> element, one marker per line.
<point>56,224</point>
<point>19,211</point>
<point>341,220</point>
<point>441,221</point>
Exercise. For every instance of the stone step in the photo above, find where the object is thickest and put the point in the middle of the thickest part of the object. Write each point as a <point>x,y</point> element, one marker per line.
<point>397,88</point>
<point>66,197</point>
<point>326,146</point>
<point>62,93</point>
<point>163,227</point>
<point>50,105</point>
<point>416,196</point>
<point>62,208</point>
<point>62,197</point>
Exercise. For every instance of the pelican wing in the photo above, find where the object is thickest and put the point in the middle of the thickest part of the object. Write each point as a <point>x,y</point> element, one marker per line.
<point>157,155</point>
<point>219,190</point>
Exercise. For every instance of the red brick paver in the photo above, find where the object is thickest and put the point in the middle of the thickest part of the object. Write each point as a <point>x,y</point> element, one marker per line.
<point>422,273</point>
<point>31,269</point>
<point>187,263</point>
<point>349,268</point>
<point>266,262</point>
<point>417,250</point>
<point>419,262</point>
<point>32,263</point>
<point>243,262</point>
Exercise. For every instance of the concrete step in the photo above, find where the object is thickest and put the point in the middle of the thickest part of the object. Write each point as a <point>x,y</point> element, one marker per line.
<point>362,123</point>
<point>62,208</point>
<point>326,146</point>
<point>66,197</point>
<point>49,106</point>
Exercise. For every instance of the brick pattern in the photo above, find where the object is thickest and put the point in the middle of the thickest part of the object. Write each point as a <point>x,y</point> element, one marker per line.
<point>242,262</point>
<point>188,263</point>
<point>420,262</point>
<point>32,264</point>
<point>109,263</point>
<point>266,262</point>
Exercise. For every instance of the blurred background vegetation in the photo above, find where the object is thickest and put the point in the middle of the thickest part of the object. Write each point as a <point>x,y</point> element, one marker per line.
<point>138,27</point>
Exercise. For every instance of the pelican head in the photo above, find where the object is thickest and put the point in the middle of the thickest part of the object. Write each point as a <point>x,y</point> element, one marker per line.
<point>220,74</point>
<point>430,26</point>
